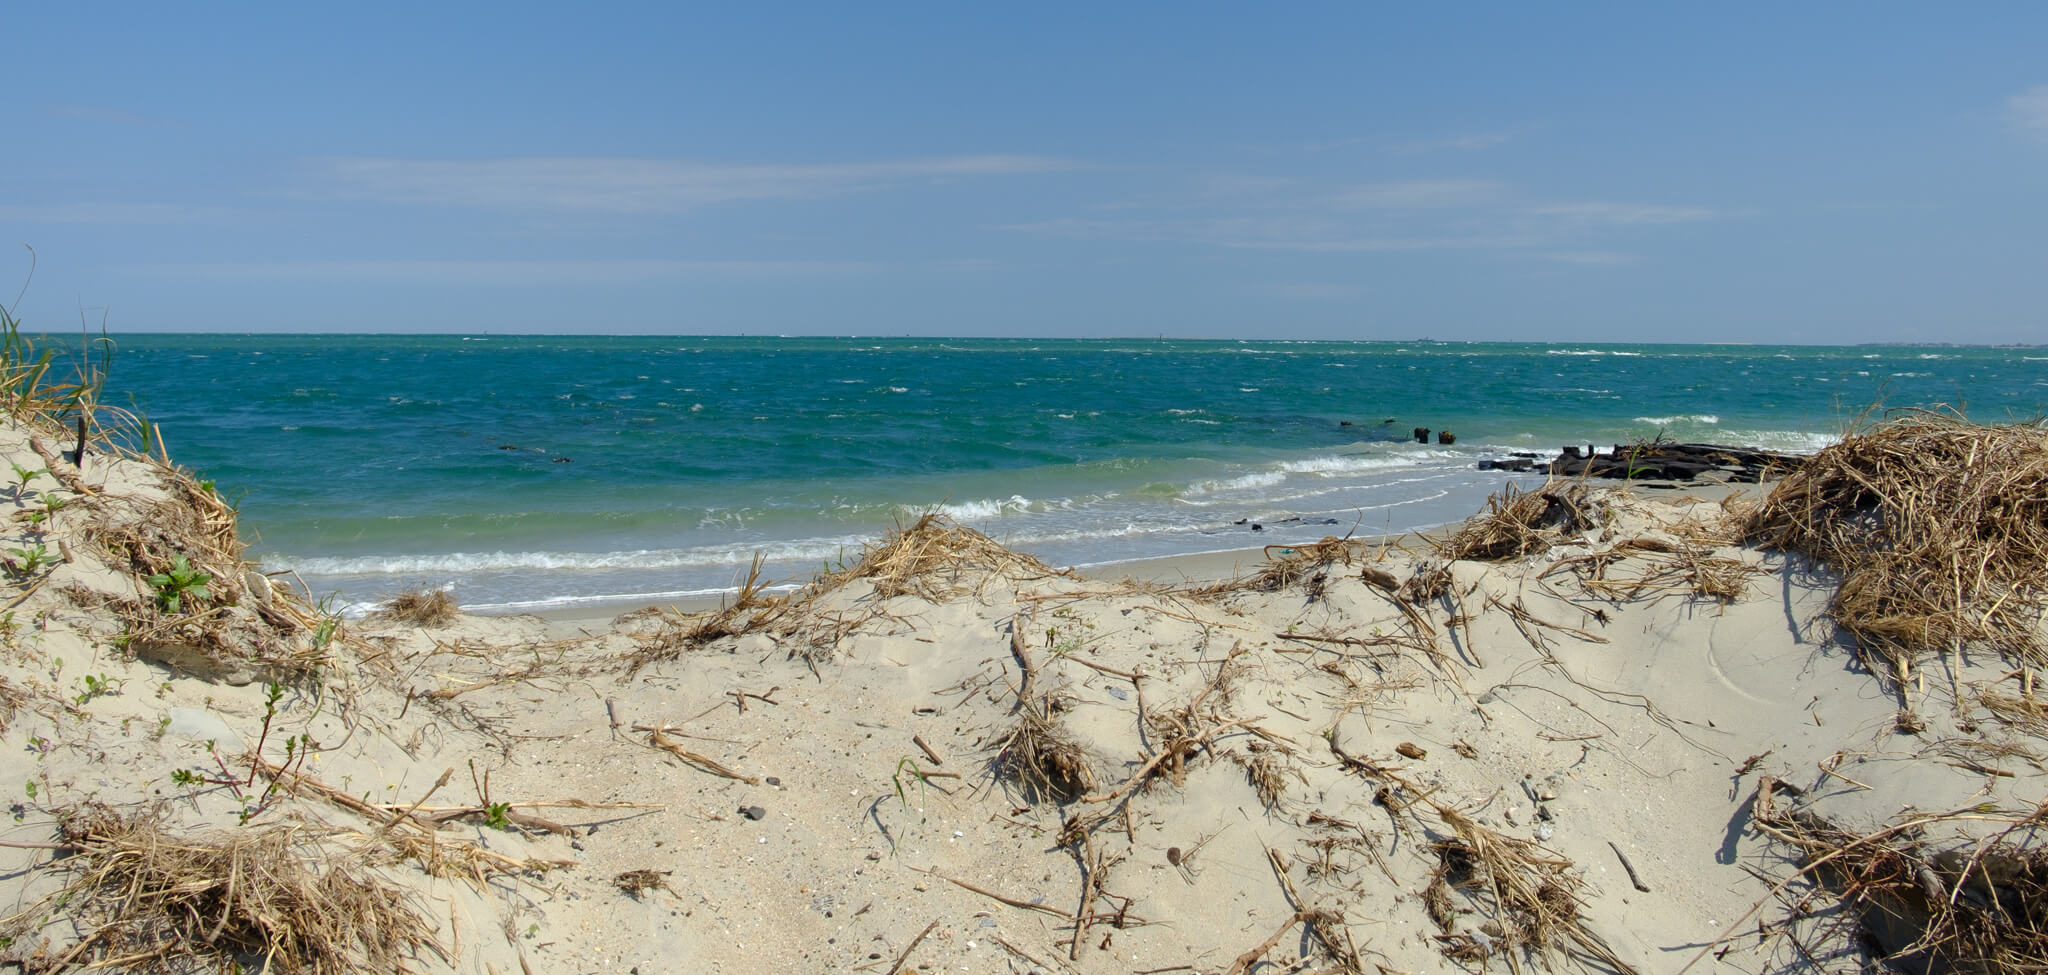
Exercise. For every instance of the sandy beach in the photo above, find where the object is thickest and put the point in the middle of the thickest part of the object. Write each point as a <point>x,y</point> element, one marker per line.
<point>1599,728</point>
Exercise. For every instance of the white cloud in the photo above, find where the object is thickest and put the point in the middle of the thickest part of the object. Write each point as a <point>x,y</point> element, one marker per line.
<point>621,185</point>
<point>1622,213</point>
<point>1591,257</point>
<point>1466,142</point>
<point>1307,291</point>
<point>1264,233</point>
<point>111,213</point>
<point>2029,110</point>
<point>508,272</point>
<point>1416,194</point>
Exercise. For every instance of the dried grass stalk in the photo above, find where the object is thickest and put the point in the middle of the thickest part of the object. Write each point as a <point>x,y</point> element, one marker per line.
<point>1305,564</point>
<point>934,558</point>
<point>1976,906</point>
<point>1530,896</point>
<point>1042,758</point>
<point>150,901</point>
<point>750,610</point>
<point>421,607</point>
<point>1518,523</point>
<point>1937,526</point>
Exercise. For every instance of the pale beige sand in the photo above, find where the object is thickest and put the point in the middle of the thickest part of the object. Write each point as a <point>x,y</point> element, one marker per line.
<point>1588,729</point>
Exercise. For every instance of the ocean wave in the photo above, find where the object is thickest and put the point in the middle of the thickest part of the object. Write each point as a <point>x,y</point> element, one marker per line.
<point>1349,464</point>
<point>1243,482</point>
<point>984,508</point>
<point>463,563</point>
<point>1662,421</point>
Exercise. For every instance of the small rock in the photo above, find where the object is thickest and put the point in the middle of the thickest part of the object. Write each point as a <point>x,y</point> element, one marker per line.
<point>753,812</point>
<point>1544,831</point>
<point>1409,749</point>
<point>772,780</point>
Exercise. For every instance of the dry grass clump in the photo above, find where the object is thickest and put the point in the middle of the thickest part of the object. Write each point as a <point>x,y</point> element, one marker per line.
<point>272,898</point>
<point>220,618</point>
<point>1518,523</point>
<point>933,558</point>
<point>1305,564</point>
<point>421,607</point>
<point>678,633</point>
<point>1979,906</point>
<point>1529,897</point>
<point>1042,758</point>
<point>1938,527</point>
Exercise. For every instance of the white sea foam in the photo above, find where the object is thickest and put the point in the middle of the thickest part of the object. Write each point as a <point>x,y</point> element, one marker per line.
<point>462,563</point>
<point>1245,482</point>
<point>985,508</point>
<point>1351,464</point>
<point>1706,418</point>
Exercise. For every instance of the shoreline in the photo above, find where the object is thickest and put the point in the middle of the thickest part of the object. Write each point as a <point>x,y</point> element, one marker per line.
<point>1222,565</point>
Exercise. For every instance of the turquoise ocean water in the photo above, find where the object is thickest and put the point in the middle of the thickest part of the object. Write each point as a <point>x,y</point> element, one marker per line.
<point>533,471</point>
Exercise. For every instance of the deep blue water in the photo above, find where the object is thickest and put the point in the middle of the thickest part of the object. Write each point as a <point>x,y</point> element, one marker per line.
<point>534,470</point>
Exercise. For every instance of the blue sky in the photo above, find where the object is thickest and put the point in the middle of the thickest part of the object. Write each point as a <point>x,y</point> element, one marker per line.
<point>1738,172</point>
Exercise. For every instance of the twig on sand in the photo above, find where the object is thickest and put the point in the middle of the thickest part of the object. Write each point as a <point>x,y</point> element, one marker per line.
<point>1630,867</point>
<point>657,738</point>
<point>1245,961</point>
<point>1012,901</point>
<point>912,946</point>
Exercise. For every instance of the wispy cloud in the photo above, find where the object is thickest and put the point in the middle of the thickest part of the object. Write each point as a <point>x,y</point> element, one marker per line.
<point>1290,233</point>
<point>112,213</point>
<point>1622,214</point>
<point>509,272</point>
<point>2029,111</point>
<point>1590,257</point>
<point>617,185</point>
<point>1307,291</point>
<point>1416,194</point>
<point>1465,142</point>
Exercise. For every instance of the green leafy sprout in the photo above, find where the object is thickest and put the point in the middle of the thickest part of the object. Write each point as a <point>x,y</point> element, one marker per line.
<point>183,580</point>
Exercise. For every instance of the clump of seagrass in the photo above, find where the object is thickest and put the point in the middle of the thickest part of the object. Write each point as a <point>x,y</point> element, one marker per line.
<point>1517,523</point>
<point>1528,896</point>
<point>1973,905</point>
<point>1307,565</point>
<point>1938,528</point>
<point>675,634</point>
<point>198,605</point>
<point>421,606</point>
<point>1042,758</point>
<point>936,558</point>
<point>1037,754</point>
<point>146,900</point>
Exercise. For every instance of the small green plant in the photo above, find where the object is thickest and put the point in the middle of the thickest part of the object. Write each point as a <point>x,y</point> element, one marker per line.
<point>23,475</point>
<point>30,785</point>
<point>907,766</point>
<point>53,504</point>
<point>28,560</point>
<point>496,815</point>
<point>183,580</point>
<point>100,686</point>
